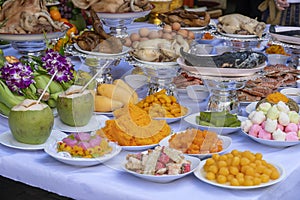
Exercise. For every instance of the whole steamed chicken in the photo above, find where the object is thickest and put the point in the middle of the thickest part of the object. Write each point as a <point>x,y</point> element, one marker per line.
<point>240,24</point>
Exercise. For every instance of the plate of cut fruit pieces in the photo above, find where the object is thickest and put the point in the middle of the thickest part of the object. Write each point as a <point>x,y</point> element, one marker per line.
<point>91,149</point>
<point>163,164</point>
<point>194,142</point>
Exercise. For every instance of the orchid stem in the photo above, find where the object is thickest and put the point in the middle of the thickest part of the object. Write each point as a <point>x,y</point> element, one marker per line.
<point>98,72</point>
<point>45,89</point>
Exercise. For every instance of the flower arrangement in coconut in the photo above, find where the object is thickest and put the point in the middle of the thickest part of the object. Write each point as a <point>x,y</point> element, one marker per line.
<point>27,77</point>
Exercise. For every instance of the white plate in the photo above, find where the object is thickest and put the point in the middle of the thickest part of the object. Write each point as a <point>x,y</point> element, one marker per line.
<point>191,119</point>
<point>226,144</point>
<point>94,53</point>
<point>272,143</point>
<point>285,38</point>
<point>174,119</point>
<point>30,37</point>
<point>194,28</point>
<point>96,122</point>
<point>166,178</point>
<point>238,35</point>
<point>200,174</point>
<point>214,71</point>
<point>138,148</point>
<point>51,149</point>
<point>7,139</point>
<point>250,107</point>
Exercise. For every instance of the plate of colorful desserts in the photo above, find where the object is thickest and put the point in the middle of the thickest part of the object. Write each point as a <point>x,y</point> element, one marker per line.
<point>196,142</point>
<point>82,149</point>
<point>274,123</point>
<point>264,174</point>
<point>162,164</point>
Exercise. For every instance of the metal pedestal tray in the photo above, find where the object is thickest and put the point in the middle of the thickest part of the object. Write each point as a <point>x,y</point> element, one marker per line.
<point>242,42</point>
<point>161,74</point>
<point>95,61</point>
<point>118,22</point>
<point>223,91</point>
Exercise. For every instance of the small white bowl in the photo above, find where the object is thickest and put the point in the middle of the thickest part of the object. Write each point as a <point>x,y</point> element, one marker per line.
<point>274,59</point>
<point>197,92</point>
<point>293,93</point>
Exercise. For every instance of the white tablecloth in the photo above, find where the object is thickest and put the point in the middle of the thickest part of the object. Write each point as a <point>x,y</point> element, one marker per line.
<point>108,181</point>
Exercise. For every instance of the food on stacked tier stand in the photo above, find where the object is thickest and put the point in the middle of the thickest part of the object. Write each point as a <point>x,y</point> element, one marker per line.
<point>159,45</point>
<point>110,97</point>
<point>133,126</point>
<point>240,25</point>
<point>98,40</point>
<point>275,76</point>
<point>27,17</point>
<point>186,18</point>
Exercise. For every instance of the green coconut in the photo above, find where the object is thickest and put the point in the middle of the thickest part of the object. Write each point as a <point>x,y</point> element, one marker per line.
<point>75,108</point>
<point>31,122</point>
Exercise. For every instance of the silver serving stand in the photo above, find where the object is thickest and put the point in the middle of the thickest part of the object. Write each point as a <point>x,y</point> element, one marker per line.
<point>223,91</point>
<point>161,75</point>
<point>242,42</point>
<point>97,62</point>
<point>118,22</point>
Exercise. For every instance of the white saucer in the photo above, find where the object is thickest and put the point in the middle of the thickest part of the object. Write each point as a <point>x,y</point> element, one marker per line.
<point>96,122</point>
<point>8,140</point>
